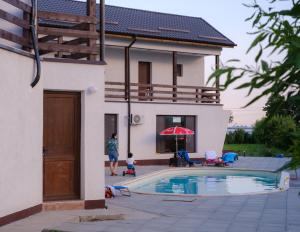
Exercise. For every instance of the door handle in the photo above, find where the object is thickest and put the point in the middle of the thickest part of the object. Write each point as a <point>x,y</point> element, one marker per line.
<point>45,151</point>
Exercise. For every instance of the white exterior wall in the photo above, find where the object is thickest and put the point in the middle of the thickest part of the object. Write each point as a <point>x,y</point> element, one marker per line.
<point>21,133</point>
<point>211,120</point>
<point>211,124</point>
<point>162,66</point>
<point>21,128</point>
<point>79,77</point>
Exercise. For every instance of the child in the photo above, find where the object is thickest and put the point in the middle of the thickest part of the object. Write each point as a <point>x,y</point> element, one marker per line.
<point>130,162</point>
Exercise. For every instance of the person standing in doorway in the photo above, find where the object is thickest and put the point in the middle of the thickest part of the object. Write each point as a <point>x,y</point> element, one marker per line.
<point>113,154</point>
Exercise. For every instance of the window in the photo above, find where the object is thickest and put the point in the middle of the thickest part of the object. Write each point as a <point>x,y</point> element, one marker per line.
<point>179,70</point>
<point>167,144</point>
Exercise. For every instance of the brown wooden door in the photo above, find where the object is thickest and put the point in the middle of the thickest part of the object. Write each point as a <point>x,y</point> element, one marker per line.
<point>144,79</point>
<point>61,145</point>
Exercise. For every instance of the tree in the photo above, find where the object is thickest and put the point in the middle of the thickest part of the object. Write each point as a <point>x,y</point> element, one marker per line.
<point>279,131</point>
<point>277,32</point>
<point>259,132</point>
<point>295,150</point>
<point>285,107</point>
<point>280,31</point>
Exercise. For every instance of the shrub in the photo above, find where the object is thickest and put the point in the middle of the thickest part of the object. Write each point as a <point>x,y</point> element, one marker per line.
<point>277,131</point>
<point>295,151</point>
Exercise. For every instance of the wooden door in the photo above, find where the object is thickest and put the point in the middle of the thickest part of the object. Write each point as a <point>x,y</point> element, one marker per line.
<point>111,126</point>
<point>144,80</point>
<point>61,145</point>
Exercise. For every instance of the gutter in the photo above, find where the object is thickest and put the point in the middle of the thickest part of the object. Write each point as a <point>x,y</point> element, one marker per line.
<point>128,95</point>
<point>33,26</point>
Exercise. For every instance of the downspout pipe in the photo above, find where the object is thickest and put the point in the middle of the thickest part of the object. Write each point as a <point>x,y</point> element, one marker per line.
<point>33,26</point>
<point>127,53</point>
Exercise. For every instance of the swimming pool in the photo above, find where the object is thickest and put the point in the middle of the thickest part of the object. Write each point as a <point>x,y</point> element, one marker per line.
<point>206,182</point>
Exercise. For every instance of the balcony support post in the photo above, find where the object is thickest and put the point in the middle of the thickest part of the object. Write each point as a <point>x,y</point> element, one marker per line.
<point>174,76</point>
<point>217,80</point>
<point>91,11</point>
<point>102,31</point>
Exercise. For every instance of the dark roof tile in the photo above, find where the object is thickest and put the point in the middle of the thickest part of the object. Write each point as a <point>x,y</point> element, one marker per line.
<point>129,21</point>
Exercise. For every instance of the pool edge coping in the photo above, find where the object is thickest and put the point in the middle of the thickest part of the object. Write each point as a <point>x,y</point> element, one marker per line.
<point>128,182</point>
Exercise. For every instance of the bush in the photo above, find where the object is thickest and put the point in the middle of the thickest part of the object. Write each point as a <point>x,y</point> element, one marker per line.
<point>295,151</point>
<point>229,138</point>
<point>239,136</point>
<point>277,131</point>
<point>258,134</point>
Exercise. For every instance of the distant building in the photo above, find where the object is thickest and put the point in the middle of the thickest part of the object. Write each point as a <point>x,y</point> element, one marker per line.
<point>248,129</point>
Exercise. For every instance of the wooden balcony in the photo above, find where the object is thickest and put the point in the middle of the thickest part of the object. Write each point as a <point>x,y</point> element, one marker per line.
<point>117,91</point>
<point>60,36</point>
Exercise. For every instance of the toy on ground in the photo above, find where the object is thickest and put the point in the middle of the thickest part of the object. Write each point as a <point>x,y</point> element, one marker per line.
<point>129,171</point>
<point>112,191</point>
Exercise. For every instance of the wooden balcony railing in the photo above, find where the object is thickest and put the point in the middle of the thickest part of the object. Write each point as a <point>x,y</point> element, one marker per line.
<point>73,42</point>
<point>60,35</point>
<point>17,24</point>
<point>161,93</point>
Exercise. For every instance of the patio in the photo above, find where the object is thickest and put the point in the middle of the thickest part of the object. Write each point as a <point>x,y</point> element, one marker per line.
<point>268,212</point>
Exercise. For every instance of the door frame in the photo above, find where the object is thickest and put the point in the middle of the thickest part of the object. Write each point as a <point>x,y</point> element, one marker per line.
<point>78,142</point>
<point>117,127</point>
<point>150,73</point>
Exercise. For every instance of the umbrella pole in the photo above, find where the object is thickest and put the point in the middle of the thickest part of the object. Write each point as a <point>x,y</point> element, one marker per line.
<point>176,146</point>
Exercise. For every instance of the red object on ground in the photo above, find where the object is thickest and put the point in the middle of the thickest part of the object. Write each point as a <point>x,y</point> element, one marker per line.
<point>216,162</point>
<point>129,172</point>
<point>177,131</point>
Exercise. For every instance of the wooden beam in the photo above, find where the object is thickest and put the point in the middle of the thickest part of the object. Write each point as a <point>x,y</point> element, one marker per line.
<point>217,80</point>
<point>19,4</point>
<point>76,41</point>
<point>26,31</point>
<point>174,74</point>
<point>72,18</point>
<point>91,12</point>
<point>127,87</point>
<point>60,40</point>
<point>53,47</point>
<point>24,23</point>
<point>67,32</point>
<point>47,38</point>
<point>14,38</point>
<point>102,30</point>
<point>76,56</point>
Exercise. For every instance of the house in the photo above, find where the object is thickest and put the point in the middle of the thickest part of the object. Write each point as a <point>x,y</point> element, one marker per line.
<point>248,129</point>
<point>128,71</point>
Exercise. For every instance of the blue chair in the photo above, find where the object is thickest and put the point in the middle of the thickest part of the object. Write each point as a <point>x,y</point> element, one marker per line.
<point>230,157</point>
<point>183,154</point>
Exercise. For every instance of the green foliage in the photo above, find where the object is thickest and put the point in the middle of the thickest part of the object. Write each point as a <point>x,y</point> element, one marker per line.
<point>276,32</point>
<point>281,106</point>
<point>277,131</point>
<point>259,150</point>
<point>230,138</point>
<point>239,136</point>
<point>295,150</point>
<point>259,131</point>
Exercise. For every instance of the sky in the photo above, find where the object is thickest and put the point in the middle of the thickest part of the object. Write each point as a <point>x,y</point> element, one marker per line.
<point>227,16</point>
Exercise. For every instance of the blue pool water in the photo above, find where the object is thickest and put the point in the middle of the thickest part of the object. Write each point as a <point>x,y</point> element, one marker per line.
<point>201,183</point>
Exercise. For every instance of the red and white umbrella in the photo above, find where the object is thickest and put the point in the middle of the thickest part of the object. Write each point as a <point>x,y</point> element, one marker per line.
<point>177,131</point>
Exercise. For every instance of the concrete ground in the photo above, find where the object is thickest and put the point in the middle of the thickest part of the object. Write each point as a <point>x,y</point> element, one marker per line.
<point>148,213</point>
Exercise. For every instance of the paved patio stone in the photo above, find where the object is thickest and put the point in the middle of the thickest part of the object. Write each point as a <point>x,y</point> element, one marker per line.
<point>260,213</point>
